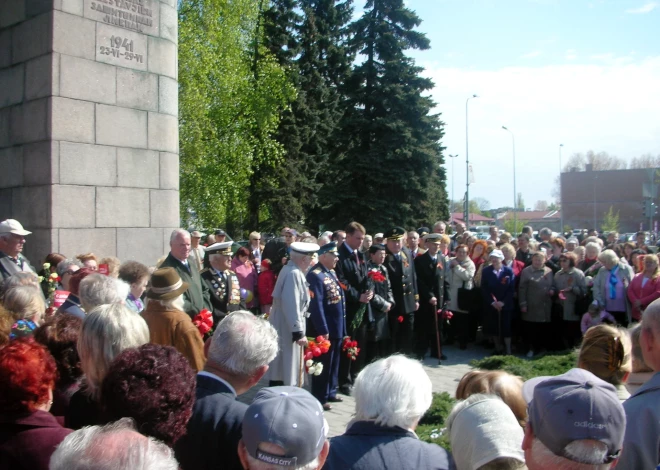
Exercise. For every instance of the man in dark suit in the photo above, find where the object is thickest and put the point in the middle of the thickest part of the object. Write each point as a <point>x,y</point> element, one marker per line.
<point>328,319</point>
<point>12,240</point>
<point>401,269</point>
<point>222,282</point>
<point>431,270</point>
<point>196,297</point>
<point>352,274</point>
<point>231,369</point>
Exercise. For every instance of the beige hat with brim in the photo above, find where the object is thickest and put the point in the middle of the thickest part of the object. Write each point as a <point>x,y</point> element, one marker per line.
<point>13,226</point>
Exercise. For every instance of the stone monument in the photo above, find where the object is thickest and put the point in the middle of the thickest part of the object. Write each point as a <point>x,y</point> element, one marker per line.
<point>89,137</point>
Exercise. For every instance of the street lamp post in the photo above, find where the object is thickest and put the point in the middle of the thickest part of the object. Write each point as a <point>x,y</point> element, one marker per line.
<point>451,215</point>
<point>515,194</point>
<point>561,200</point>
<point>595,218</point>
<point>467,167</point>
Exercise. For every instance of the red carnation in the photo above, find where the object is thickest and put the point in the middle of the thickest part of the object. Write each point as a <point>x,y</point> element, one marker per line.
<point>316,352</point>
<point>376,276</point>
<point>320,339</point>
<point>308,355</point>
<point>400,319</point>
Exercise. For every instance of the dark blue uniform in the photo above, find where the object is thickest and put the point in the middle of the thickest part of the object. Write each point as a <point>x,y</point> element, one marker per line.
<point>327,317</point>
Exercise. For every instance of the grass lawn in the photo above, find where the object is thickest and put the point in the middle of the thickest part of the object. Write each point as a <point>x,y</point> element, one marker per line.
<point>431,426</point>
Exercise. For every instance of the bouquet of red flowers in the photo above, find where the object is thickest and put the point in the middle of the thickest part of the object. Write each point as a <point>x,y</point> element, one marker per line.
<point>350,347</point>
<point>315,347</point>
<point>375,275</point>
<point>204,322</point>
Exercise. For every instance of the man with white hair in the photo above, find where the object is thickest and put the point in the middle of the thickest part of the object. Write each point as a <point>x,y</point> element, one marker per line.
<point>115,446</point>
<point>289,314</point>
<point>196,297</point>
<point>391,395</point>
<point>12,240</point>
<point>97,289</point>
<point>641,444</point>
<point>238,356</point>
<point>439,227</point>
<point>576,422</point>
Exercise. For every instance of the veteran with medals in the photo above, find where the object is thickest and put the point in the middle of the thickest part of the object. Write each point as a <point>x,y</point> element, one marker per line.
<point>328,319</point>
<point>222,282</point>
<point>289,316</point>
<point>431,270</point>
<point>401,269</point>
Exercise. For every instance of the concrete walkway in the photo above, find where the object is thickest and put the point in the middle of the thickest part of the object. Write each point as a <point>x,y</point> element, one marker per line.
<point>444,378</point>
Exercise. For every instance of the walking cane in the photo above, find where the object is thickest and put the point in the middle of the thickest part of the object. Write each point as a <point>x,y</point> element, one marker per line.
<point>437,334</point>
<point>302,366</point>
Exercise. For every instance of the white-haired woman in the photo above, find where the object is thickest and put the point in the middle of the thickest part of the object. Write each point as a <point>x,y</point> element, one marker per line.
<point>535,296</point>
<point>107,330</point>
<point>288,315</point>
<point>611,286</point>
<point>391,395</point>
<point>97,289</point>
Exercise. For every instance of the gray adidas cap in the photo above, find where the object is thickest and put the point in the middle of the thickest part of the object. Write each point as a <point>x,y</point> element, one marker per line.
<point>289,417</point>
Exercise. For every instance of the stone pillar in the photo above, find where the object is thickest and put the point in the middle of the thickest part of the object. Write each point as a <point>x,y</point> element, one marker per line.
<point>89,137</point>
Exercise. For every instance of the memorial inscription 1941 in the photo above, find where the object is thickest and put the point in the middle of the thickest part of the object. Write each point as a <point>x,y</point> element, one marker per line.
<point>121,47</point>
<point>141,16</point>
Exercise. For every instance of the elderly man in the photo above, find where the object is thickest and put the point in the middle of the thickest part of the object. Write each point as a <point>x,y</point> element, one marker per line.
<point>352,273</point>
<point>238,355</point>
<point>284,427</point>
<point>641,445</point>
<point>222,282</point>
<point>289,314</point>
<point>439,227</point>
<point>576,422</point>
<point>338,236</point>
<point>401,269</point>
<point>220,236</point>
<point>12,240</point>
<point>196,297</point>
<point>391,395</point>
<point>97,289</point>
<point>328,319</point>
<point>197,250</point>
<point>116,445</point>
<point>524,254</point>
<point>413,244</point>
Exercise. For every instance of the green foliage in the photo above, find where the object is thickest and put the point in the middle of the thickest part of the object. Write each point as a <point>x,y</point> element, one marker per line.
<point>610,221</point>
<point>229,108</point>
<point>430,428</point>
<point>549,364</point>
<point>512,227</point>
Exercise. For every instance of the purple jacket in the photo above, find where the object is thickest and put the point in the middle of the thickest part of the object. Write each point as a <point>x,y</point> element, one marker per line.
<point>28,441</point>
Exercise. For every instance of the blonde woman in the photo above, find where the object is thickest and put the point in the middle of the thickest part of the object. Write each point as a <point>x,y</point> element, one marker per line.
<point>645,287</point>
<point>606,353</point>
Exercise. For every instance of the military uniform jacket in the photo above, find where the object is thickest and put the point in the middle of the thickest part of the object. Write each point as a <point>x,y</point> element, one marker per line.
<point>432,278</point>
<point>327,305</point>
<point>225,292</point>
<point>403,280</point>
<point>352,276</point>
<point>8,266</point>
<point>196,297</point>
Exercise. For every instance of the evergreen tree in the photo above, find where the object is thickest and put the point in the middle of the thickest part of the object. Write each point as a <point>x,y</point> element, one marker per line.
<point>390,170</point>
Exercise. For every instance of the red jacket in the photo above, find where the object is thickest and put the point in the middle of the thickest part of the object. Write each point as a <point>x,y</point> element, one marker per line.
<point>645,295</point>
<point>266,285</point>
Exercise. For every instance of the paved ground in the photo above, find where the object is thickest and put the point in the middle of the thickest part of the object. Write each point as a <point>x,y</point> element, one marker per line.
<point>444,377</point>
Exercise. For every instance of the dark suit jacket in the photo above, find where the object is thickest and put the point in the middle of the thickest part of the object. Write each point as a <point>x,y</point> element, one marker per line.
<point>403,280</point>
<point>8,267</point>
<point>327,306</point>
<point>196,297</point>
<point>28,441</point>
<point>214,429</point>
<point>367,446</point>
<point>432,278</point>
<point>353,275</point>
<point>502,286</point>
<point>223,298</point>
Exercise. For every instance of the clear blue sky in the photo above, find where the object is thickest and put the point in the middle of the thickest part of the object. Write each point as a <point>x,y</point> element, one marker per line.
<point>582,73</point>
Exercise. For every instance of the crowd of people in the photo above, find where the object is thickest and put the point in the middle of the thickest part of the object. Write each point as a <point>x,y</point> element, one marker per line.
<point>107,364</point>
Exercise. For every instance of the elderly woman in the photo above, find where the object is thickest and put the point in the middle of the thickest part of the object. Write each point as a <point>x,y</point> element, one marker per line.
<point>645,287</point>
<point>168,324</point>
<point>60,335</point>
<point>155,386</point>
<point>535,297</point>
<point>26,304</point>
<point>590,265</point>
<point>28,432</point>
<point>461,275</point>
<point>66,269</point>
<point>106,331</point>
<point>72,304</point>
<point>97,289</point>
<point>136,275</point>
<point>571,289</point>
<point>25,278</point>
<point>247,274</point>
<point>497,289</point>
<point>289,316</point>
<point>611,286</point>
<point>89,260</point>
<point>366,243</point>
<point>391,396</point>
<point>606,352</point>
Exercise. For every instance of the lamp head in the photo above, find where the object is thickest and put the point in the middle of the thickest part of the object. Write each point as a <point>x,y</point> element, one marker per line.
<point>505,128</point>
